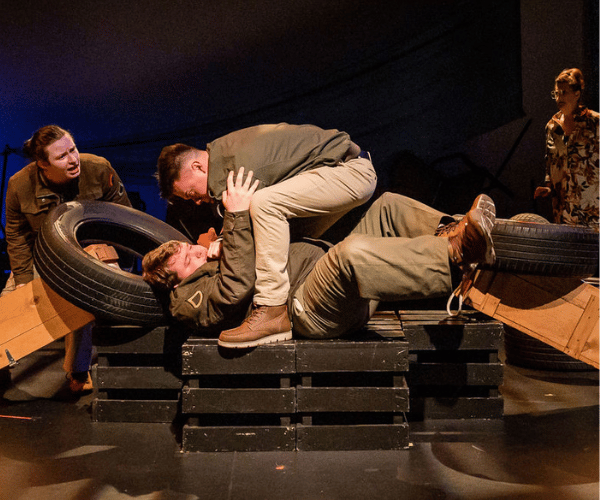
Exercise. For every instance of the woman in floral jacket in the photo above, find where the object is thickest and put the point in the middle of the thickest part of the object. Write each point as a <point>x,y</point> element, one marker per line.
<point>572,155</point>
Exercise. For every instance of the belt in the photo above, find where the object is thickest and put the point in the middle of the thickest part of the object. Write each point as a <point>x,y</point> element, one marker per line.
<point>363,154</point>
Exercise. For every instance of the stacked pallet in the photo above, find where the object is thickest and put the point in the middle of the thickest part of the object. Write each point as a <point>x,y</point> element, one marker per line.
<point>454,366</point>
<point>136,374</point>
<point>304,395</point>
<point>354,393</point>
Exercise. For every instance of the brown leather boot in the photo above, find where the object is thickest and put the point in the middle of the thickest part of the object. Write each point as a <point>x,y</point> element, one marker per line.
<point>470,240</point>
<point>266,324</point>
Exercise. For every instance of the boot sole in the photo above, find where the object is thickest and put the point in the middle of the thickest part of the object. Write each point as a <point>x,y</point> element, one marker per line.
<point>270,339</point>
<point>485,218</point>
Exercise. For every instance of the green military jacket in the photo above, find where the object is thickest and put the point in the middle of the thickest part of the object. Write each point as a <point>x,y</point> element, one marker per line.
<point>218,295</point>
<point>29,198</point>
<point>273,152</point>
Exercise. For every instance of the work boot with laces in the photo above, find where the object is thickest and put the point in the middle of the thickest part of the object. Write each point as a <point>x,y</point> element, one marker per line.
<point>470,239</point>
<point>266,324</point>
<point>470,244</point>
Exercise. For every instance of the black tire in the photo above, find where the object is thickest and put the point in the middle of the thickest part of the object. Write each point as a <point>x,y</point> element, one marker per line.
<point>111,294</point>
<point>545,249</point>
<point>528,352</point>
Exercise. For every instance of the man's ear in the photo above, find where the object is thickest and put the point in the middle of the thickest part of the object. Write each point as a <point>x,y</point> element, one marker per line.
<point>198,165</point>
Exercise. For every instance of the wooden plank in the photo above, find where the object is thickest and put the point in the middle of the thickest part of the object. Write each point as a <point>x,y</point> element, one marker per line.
<point>135,377</point>
<point>583,338</point>
<point>352,399</point>
<point>237,400</point>
<point>34,316</point>
<point>129,339</point>
<point>440,333</point>
<point>352,437</point>
<point>455,374</point>
<point>238,438</point>
<point>455,408</point>
<point>562,312</point>
<point>313,356</point>
<point>204,357</point>
<point>107,410</point>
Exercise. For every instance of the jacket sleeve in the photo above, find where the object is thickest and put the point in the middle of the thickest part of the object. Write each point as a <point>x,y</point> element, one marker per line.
<point>19,238</point>
<point>218,295</point>
<point>113,188</point>
<point>549,156</point>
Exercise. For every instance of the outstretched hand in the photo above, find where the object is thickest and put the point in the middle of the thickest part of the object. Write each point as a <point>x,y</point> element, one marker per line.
<point>239,193</point>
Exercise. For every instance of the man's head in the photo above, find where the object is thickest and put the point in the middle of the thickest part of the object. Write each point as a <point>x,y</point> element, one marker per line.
<point>182,171</point>
<point>169,264</point>
<point>54,150</point>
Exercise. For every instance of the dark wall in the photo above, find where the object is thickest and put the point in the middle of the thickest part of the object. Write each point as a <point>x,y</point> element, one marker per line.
<point>450,96</point>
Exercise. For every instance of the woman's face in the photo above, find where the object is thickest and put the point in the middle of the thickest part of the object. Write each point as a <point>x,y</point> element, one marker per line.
<point>62,164</point>
<point>566,100</point>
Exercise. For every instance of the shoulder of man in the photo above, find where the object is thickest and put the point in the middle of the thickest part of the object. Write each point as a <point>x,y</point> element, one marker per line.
<point>91,160</point>
<point>188,300</point>
<point>24,175</point>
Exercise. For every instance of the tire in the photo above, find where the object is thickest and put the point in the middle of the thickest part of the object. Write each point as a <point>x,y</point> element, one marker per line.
<point>546,249</point>
<point>111,294</point>
<point>528,352</point>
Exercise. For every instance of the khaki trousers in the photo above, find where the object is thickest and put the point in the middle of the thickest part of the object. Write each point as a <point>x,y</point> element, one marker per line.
<point>391,255</point>
<point>320,197</point>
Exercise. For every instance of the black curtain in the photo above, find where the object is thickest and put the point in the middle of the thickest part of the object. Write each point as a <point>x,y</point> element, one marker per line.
<point>423,95</point>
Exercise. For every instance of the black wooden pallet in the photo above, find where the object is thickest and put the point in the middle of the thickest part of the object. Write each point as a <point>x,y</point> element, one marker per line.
<point>331,394</point>
<point>454,369</point>
<point>351,393</point>
<point>136,374</point>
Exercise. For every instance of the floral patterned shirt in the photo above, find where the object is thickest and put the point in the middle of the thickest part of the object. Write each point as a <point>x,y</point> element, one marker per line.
<point>572,169</point>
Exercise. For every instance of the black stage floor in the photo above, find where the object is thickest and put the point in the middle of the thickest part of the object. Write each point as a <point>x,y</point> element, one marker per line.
<point>545,448</point>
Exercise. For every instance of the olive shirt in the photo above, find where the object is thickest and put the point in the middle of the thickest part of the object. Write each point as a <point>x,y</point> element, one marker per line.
<point>30,197</point>
<point>218,295</point>
<point>274,152</point>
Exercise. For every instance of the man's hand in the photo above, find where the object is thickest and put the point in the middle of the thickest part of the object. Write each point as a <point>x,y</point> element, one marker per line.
<point>238,195</point>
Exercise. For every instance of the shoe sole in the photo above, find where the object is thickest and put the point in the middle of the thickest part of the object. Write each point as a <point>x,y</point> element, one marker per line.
<point>485,217</point>
<point>270,339</point>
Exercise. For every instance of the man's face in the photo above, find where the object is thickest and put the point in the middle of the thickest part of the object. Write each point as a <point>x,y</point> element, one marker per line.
<point>63,161</point>
<point>193,179</point>
<point>187,260</point>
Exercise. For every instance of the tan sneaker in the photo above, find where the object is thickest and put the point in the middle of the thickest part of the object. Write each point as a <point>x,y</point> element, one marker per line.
<point>470,240</point>
<point>266,324</point>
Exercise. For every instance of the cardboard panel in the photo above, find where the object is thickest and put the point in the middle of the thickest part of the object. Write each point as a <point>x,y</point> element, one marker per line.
<point>562,312</point>
<point>34,316</point>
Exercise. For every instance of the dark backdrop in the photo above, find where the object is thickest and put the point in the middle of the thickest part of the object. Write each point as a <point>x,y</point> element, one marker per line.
<point>403,78</point>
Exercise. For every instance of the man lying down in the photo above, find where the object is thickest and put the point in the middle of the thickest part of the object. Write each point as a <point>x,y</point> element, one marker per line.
<point>400,250</point>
